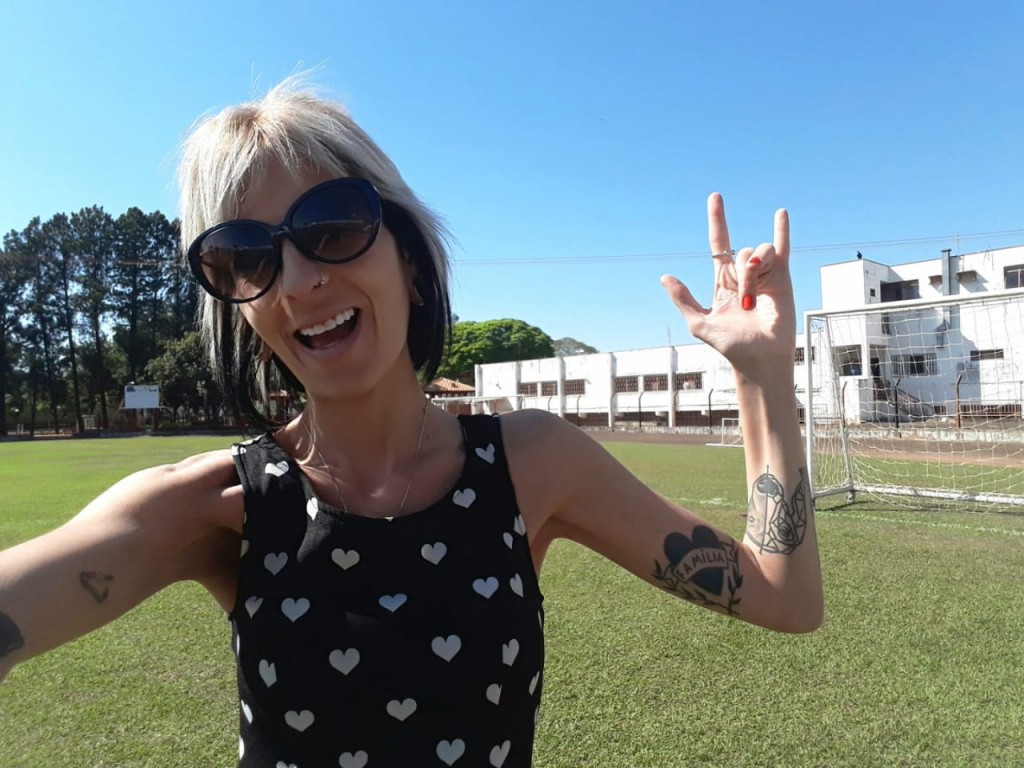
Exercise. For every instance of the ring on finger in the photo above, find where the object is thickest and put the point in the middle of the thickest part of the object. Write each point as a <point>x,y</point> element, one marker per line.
<point>720,254</point>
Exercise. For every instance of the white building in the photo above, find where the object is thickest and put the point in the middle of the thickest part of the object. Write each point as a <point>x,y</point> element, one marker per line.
<point>929,360</point>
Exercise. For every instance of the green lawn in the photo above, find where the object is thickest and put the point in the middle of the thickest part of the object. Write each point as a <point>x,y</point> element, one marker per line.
<point>920,663</point>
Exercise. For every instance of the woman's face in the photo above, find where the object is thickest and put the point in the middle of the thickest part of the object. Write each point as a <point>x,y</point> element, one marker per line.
<point>340,328</point>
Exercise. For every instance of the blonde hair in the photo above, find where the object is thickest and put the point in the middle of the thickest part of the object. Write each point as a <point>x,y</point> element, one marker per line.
<point>292,127</point>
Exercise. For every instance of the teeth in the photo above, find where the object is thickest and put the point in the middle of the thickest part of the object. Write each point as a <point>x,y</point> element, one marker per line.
<point>329,324</point>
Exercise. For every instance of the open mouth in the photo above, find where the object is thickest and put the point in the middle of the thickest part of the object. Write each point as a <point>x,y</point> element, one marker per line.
<point>330,332</point>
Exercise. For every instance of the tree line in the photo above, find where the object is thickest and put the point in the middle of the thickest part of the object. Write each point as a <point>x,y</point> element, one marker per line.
<point>90,302</point>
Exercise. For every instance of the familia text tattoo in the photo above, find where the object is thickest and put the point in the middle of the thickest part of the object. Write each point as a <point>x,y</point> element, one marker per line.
<point>704,569</point>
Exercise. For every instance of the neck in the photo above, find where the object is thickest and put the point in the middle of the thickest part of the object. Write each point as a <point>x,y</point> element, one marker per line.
<point>367,445</point>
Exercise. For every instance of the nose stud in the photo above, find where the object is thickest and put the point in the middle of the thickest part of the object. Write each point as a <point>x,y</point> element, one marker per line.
<point>323,280</point>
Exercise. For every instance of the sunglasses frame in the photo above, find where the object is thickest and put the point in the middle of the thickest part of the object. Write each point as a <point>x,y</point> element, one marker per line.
<point>286,230</point>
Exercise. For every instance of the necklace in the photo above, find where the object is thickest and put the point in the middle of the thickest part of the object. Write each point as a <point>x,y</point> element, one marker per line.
<point>412,474</point>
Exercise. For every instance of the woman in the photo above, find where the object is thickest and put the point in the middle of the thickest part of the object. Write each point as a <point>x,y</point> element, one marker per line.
<point>378,557</point>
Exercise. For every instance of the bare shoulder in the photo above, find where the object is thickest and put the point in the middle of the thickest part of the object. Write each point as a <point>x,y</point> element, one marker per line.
<point>201,489</point>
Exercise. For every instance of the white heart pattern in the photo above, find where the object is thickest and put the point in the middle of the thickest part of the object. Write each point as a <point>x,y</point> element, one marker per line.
<point>487,454</point>
<point>392,602</point>
<point>312,508</point>
<point>245,547</point>
<point>253,604</point>
<point>283,764</point>
<point>447,647</point>
<point>300,721</point>
<point>400,710</point>
<point>533,683</point>
<point>294,609</point>
<point>247,712</point>
<point>434,553</point>
<point>509,651</point>
<point>345,559</point>
<point>275,562</point>
<point>277,470</point>
<point>517,584</point>
<point>344,661</point>
<point>268,671</point>
<point>520,525</point>
<point>493,693</point>
<point>450,751</point>
<point>500,753</point>
<point>507,538</point>
<point>464,498</point>
<point>485,587</point>
<point>353,760</point>
<point>241,747</point>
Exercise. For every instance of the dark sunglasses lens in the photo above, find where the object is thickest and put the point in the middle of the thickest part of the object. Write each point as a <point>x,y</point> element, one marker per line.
<point>239,261</point>
<point>338,222</point>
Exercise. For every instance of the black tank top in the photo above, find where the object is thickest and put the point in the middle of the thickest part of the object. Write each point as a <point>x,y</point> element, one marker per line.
<point>405,642</point>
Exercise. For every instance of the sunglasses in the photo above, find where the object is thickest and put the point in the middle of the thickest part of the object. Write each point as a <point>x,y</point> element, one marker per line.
<point>334,222</point>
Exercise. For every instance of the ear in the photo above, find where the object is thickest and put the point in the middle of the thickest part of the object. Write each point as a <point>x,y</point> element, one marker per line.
<point>411,274</point>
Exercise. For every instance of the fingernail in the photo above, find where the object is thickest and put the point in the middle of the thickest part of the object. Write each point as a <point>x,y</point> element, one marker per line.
<point>755,261</point>
<point>748,302</point>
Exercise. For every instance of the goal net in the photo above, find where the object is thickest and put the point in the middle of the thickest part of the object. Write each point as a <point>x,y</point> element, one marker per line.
<point>919,401</point>
<point>730,433</point>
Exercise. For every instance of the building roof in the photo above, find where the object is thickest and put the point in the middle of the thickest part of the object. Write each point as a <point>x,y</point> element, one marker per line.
<point>448,387</point>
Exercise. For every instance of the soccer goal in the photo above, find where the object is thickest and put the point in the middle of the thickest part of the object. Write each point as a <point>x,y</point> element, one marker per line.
<point>729,433</point>
<point>919,401</point>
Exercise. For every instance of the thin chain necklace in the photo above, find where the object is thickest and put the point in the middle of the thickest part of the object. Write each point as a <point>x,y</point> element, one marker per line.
<point>412,474</point>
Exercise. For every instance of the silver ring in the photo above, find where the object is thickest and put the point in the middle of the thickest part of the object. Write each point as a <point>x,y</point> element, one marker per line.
<point>321,281</point>
<point>723,253</point>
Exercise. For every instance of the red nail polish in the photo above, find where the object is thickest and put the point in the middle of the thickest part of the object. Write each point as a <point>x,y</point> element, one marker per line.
<point>748,302</point>
<point>755,261</point>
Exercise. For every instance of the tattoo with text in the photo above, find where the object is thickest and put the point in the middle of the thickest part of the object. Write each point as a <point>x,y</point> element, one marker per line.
<point>96,584</point>
<point>10,637</point>
<point>774,524</point>
<point>703,569</point>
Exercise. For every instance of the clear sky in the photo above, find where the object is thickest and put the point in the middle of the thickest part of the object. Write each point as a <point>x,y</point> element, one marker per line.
<point>570,146</point>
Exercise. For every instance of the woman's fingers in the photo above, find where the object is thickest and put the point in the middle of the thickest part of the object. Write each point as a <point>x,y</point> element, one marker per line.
<point>688,306</point>
<point>754,264</point>
<point>718,236</point>
<point>782,234</point>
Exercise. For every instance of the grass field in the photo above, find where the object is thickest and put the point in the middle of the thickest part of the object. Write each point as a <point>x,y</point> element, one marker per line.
<point>920,663</point>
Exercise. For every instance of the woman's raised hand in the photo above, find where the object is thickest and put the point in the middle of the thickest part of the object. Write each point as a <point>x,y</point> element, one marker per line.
<point>752,318</point>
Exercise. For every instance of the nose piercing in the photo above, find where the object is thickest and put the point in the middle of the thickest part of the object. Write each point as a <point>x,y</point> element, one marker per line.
<point>322,281</point>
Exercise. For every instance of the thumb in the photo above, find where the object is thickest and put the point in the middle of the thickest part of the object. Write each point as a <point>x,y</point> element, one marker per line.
<point>688,306</point>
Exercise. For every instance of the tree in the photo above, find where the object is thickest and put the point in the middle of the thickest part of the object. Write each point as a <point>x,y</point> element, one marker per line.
<point>12,280</point>
<point>492,341</point>
<point>184,375</point>
<point>568,346</point>
<point>93,242</point>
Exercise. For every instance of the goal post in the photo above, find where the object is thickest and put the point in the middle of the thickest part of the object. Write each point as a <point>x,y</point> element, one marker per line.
<point>919,401</point>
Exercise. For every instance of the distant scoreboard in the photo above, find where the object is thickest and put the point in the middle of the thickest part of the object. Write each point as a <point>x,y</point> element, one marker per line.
<point>142,396</point>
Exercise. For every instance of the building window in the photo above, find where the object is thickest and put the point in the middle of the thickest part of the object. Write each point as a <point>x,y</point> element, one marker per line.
<point>690,380</point>
<point>627,384</point>
<point>657,382</point>
<point>528,388</point>
<point>901,291</point>
<point>575,386</point>
<point>848,360</point>
<point>923,364</point>
<point>1013,276</point>
<point>986,354</point>
<point>548,388</point>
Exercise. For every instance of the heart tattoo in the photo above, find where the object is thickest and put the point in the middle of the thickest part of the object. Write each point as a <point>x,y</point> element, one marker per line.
<point>95,584</point>
<point>703,569</point>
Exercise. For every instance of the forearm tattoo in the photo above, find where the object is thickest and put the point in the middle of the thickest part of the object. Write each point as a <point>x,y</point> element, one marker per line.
<point>10,637</point>
<point>775,524</point>
<point>96,584</point>
<point>704,570</point>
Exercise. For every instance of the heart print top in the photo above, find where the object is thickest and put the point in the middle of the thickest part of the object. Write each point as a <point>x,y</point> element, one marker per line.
<point>408,642</point>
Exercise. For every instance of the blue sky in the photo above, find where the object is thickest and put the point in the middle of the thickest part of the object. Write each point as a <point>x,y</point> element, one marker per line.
<point>570,146</point>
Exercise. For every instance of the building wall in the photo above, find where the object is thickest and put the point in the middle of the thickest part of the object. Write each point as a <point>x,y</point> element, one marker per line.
<point>691,384</point>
